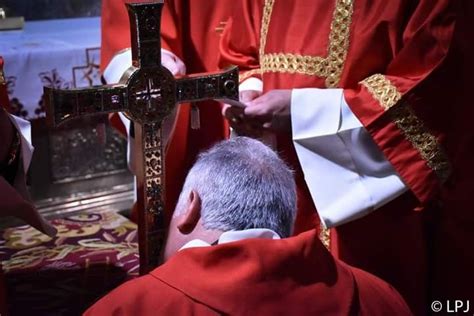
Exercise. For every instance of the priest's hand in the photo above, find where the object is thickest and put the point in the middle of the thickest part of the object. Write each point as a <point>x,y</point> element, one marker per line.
<point>271,110</point>
<point>235,115</point>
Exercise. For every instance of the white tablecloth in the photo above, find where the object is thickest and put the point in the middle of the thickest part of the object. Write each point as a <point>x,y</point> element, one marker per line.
<point>56,53</point>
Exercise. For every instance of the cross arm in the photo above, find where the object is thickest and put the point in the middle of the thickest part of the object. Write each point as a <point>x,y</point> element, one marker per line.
<point>220,86</point>
<point>64,105</point>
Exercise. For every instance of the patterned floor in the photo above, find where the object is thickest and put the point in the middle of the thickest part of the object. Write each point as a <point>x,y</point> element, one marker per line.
<point>92,254</point>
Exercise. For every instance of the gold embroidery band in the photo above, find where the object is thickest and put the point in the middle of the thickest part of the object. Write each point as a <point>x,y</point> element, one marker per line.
<point>306,65</point>
<point>247,74</point>
<point>382,90</point>
<point>329,67</point>
<point>338,41</point>
<point>325,236</point>
<point>411,126</point>
<point>419,136</point>
<point>267,13</point>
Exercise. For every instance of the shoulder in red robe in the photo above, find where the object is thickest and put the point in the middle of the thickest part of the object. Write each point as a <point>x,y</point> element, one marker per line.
<point>294,276</point>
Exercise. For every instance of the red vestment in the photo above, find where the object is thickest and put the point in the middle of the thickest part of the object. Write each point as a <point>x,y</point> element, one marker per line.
<point>191,30</point>
<point>293,276</point>
<point>4,99</point>
<point>398,63</point>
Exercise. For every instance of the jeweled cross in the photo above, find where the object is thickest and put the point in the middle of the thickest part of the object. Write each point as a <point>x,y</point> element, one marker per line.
<point>147,92</point>
<point>152,95</point>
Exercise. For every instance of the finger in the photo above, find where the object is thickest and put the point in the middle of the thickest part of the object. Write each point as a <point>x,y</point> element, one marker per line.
<point>235,121</point>
<point>248,95</point>
<point>259,110</point>
<point>235,112</point>
<point>225,108</point>
<point>247,126</point>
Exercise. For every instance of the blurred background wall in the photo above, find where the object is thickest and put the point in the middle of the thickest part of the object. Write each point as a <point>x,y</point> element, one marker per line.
<point>51,9</point>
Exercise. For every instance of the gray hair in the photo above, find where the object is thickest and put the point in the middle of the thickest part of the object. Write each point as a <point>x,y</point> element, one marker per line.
<point>242,184</point>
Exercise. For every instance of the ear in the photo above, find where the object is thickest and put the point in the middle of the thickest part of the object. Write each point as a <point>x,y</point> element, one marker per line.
<point>192,215</point>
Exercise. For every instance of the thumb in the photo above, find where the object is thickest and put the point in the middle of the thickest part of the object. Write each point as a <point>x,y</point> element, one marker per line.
<point>256,109</point>
<point>225,109</point>
<point>249,95</point>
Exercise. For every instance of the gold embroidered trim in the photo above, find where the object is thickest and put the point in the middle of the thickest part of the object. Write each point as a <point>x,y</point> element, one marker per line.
<point>338,41</point>
<point>267,13</point>
<point>420,138</point>
<point>248,74</point>
<point>388,96</point>
<point>325,236</point>
<point>382,90</point>
<point>306,65</point>
<point>329,67</point>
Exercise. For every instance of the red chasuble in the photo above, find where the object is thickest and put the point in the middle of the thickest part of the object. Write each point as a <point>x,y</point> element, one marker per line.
<point>399,63</point>
<point>4,99</point>
<point>191,30</point>
<point>293,276</point>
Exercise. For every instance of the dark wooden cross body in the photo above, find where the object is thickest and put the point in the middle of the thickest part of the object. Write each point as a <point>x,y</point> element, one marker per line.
<point>148,92</point>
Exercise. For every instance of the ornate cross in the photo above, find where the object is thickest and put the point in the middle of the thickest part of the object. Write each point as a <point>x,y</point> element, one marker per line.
<point>148,92</point>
